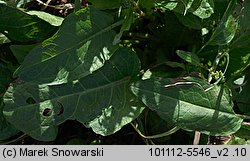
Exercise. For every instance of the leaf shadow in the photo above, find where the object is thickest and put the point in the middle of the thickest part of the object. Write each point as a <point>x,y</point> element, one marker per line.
<point>27,114</point>
<point>81,46</point>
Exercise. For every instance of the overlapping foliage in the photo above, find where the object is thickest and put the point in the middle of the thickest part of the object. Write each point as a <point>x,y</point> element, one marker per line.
<point>185,62</point>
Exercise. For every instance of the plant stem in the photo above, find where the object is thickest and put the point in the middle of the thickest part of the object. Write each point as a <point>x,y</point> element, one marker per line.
<point>197,136</point>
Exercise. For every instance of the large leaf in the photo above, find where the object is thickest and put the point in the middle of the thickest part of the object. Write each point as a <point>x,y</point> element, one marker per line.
<point>185,103</point>
<point>21,27</point>
<point>102,99</point>
<point>81,46</point>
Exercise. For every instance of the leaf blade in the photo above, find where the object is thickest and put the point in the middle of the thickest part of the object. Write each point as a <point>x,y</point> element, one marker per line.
<point>70,56</point>
<point>188,106</point>
<point>47,106</point>
<point>189,57</point>
<point>27,28</point>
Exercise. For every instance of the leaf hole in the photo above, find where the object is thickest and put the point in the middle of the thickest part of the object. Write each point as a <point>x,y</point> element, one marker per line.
<point>30,100</point>
<point>47,112</point>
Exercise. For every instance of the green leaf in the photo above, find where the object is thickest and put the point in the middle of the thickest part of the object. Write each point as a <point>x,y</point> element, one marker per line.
<point>227,28</point>
<point>20,27</point>
<point>20,3</point>
<point>96,142</point>
<point>190,20</point>
<point>155,124</point>
<point>147,4</point>
<point>6,130</point>
<point>5,79</point>
<point>239,141</point>
<point>189,57</point>
<point>21,51</point>
<point>243,99</point>
<point>128,20</point>
<point>201,8</point>
<point>185,103</point>
<point>108,4</point>
<point>150,124</point>
<point>115,117</point>
<point>240,46</point>
<point>239,61</point>
<point>244,132</point>
<point>242,38</point>
<point>102,100</point>
<point>12,3</point>
<point>3,39</point>
<point>16,3</point>
<point>52,19</point>
<point>81,46</point>
<point>205,9</point>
